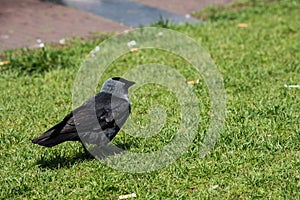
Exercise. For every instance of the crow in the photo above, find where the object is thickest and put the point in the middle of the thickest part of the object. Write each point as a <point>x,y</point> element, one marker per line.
<point>109,109</point>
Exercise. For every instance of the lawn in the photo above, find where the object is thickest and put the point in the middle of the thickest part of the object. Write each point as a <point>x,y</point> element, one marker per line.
<point>255,46</point>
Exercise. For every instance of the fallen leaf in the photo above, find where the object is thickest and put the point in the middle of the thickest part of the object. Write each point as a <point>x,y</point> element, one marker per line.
<point>243,25</point>
<point>4,62</point>
<point>193,82</point>
<point>134,50</point>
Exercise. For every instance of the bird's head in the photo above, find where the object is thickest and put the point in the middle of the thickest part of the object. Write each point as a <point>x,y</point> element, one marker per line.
<point>122,80</point>
<point>117,86</point>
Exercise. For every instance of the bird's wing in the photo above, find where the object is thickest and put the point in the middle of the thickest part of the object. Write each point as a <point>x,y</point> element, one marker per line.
<point>63,131</point>
<point>100,118</point>
<point>69,125</point>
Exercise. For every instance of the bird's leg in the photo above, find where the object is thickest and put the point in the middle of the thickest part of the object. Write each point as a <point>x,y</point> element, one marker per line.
<point>86,151</point>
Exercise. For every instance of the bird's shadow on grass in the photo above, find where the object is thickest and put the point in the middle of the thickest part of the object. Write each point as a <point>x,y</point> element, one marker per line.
<point>63,161</point>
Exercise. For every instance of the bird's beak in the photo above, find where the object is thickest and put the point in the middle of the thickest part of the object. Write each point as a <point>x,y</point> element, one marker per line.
<point>130,83</point>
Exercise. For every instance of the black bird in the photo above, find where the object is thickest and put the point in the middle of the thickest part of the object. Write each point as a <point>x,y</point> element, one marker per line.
<point>96,121</point>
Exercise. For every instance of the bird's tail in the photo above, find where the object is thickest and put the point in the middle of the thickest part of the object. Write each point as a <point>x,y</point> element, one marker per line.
<point>54,137</point>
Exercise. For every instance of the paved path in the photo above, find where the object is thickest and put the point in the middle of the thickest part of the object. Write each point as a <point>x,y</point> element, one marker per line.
<point>128,12</point>
<point>23,22</point>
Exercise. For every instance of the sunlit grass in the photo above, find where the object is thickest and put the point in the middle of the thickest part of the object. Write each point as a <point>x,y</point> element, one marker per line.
<point>257,154</point>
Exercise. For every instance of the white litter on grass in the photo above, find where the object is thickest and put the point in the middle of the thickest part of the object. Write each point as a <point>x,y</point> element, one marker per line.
<point>131,43</point>
<point>97,48</point>
<point>160,34</point>
<point>214,186</point>
<point>133,195</point>
<point>126,31</point>
<point>39,41</point>
<point>187,16</point>
<point>92,54</point>
<point>62,41</point>
<point>291,86</point>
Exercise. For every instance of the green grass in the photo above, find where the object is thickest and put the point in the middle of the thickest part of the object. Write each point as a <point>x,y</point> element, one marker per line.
<point>257,155</point>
